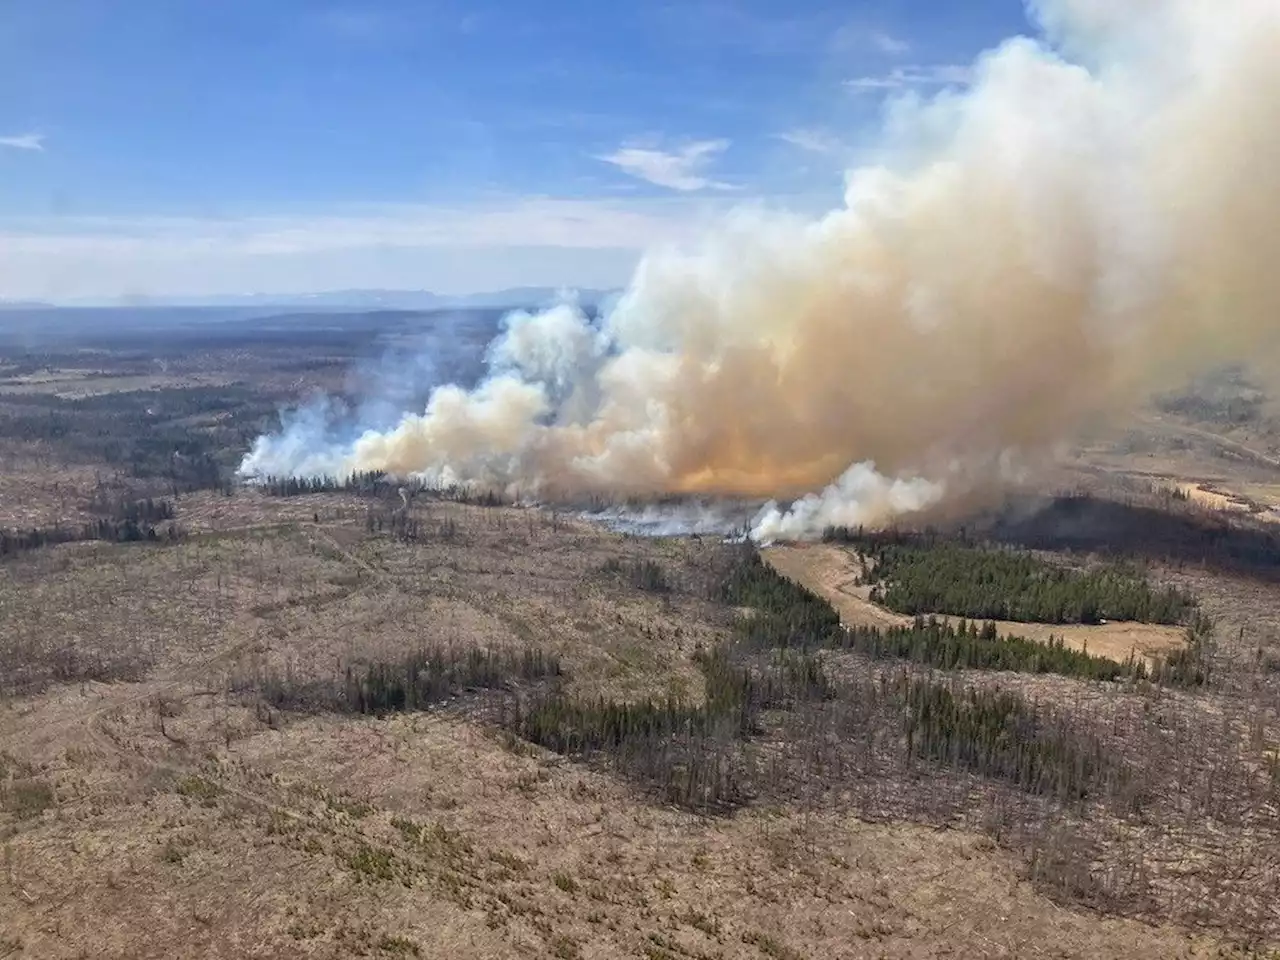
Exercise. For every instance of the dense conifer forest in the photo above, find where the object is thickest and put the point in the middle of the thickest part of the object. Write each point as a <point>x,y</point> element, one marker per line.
<point>915,576</point>
<point>373,483</point>
<point>787,615</point>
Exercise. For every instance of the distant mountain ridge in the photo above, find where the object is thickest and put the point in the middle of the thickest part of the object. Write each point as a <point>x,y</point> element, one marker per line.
<point>356,299</point>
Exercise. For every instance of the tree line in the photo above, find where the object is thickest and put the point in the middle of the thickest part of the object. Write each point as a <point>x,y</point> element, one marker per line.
<point>147,433</point>
<point>1001,735</point>
<point>124,507</point>
<point>989,583</point>
<point>698,754</point>
<point>366,483</point>
<point>136,444</point>
<point>414,681</point>
<point>646,575</point>
<point>693,755</point>
<point>690,755</point>
<point>966,646</point>
<point>130,521</point>
<point>109,531</point>
<point>403,526</point>
<point>786,615</point>
<point>374,483</point>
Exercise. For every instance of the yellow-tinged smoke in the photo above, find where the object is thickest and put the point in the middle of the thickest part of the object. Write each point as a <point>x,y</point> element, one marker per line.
<point>1098,214</point>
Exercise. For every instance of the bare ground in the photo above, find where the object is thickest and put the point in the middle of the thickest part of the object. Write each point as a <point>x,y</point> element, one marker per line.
<point>148,810</point>
<point>350,837</point>
<point>33,495</point>
<point>161,816</point>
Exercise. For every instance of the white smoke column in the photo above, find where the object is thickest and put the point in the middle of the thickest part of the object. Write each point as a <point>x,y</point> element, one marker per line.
<point>1095,217</point>
<point>860,496</point>
<point>304,447</point>
<point>557,347</point>
<point>691,518</point>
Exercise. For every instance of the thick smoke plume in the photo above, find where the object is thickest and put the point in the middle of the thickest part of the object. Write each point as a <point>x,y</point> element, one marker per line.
<point>1098,214</point>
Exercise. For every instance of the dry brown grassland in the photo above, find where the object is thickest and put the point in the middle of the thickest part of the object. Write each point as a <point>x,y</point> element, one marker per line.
<point>159,815</point>
<point>153,804</point>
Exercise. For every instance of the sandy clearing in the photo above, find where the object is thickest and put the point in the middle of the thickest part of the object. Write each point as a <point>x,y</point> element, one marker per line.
<point>831,572</point>
<point>1257,501</point>
<point>1215,500</point>
<point>1209,496</point>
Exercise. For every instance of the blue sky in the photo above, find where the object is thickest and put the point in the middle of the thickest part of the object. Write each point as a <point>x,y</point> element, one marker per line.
<point>212,146</point>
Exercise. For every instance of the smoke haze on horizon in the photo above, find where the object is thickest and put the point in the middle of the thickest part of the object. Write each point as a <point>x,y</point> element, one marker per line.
<point>1095,217</point>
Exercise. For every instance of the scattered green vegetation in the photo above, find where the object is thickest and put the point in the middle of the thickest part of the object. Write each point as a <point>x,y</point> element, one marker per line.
<point>687,752</point>
<point>172,853</point>
<point>999,734</point>
<point>703,923</point>
<point>198,788</point>
<point>770,947</point>
<point>412,831</point>
<point>666,744</point>
<point>509,860</point>
<point>122,518</point>
<point>565,882</point>
<point>414,682</point>
<point>348,806</point>
<point>111,531</point>
<point>659,947</point>
<point>372,863</point>
<point>646,575</point>
<point>27,798</point>
<point>399,946</point>
<point>692,754</point>
<point>444,844</point>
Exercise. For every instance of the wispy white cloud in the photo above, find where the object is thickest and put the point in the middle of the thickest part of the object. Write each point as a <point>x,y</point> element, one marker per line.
<point>682,169</point>
<point>501,242</point>
<point>888,44</point>
<point>899,78</point>
<point>814,141</point>
<point>856,37</point>
<point>24,141</point>
<point>536,221</point>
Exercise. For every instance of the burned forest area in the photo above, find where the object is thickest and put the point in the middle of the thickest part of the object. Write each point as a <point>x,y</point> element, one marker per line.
<point>336,716</point>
